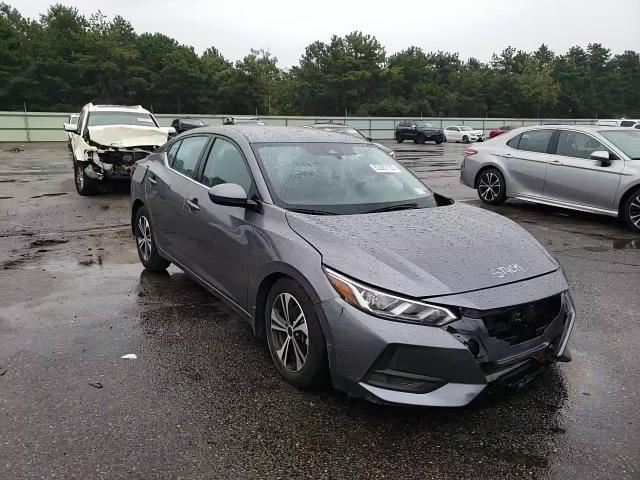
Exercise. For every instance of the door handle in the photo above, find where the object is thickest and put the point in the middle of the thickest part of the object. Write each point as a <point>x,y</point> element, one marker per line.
<point>152,181</point>
<point>507,155</point>
<point>555,162</point>
<point>193,204</point>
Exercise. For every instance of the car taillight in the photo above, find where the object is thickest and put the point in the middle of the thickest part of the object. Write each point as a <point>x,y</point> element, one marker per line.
<point>470,151</point>
<point>132,169</point>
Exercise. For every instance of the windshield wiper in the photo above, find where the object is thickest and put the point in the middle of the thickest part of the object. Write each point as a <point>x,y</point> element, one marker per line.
<point>310,211</point>
<point>391,208</point>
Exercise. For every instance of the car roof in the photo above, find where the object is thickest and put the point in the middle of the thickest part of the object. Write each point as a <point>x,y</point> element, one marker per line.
<point>273,134</point>
<point>579,128</point>
<point>116,108</point>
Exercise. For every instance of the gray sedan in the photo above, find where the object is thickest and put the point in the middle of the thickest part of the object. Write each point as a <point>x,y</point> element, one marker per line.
<point>350,268</point>
<point>589,168</point>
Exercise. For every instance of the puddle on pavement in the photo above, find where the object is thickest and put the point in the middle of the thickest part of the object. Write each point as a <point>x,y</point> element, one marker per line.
<point>627,244</point>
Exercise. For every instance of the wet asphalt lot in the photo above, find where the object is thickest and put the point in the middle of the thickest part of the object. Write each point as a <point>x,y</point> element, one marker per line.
<point>203,400</point>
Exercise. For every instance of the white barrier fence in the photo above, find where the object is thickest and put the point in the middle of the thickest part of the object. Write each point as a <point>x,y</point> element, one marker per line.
<point>47,126</point>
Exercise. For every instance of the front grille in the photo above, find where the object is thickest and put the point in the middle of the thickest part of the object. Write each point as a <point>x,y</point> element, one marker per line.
<point>523,322</point>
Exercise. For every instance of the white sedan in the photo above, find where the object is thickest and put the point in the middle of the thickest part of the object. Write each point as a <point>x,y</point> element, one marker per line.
<point>463,133</point>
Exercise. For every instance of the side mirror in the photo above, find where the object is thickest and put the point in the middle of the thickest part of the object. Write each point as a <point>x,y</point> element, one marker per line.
<point>231,195</point>
<point>169,130</point>
<point>369,139</point>
<point>70,127</point>
<point>602,156</point>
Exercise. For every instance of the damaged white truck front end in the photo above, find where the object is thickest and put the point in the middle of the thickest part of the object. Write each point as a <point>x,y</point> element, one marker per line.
<point>108,140</point>
<point>111,150</point>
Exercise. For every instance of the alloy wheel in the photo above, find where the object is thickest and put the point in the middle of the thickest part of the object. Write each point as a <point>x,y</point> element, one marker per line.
<point>489,186</point>
<point>289,332</point>
<point>634,211</point>
<point>144,238</point>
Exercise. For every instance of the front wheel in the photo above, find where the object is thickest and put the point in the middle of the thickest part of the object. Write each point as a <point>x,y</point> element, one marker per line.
<point>296,342</point>
<point>420,139</point>
<point>492,188</point>
<point>439,141</point>
<point>85,185</point>
<point>145,243</point>
<point>631,211</point>
<point>465,139</point>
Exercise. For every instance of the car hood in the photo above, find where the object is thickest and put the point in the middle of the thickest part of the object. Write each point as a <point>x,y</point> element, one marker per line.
<point>125,136</point>
<point>426,252</point>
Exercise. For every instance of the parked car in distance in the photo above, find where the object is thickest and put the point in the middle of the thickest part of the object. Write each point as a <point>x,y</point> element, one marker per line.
<point>463,133</point>
<point>242,121</point>
<point>349,130</point>
<point>71,123</point>
<point>500,130</point>
<point>184,124</point>
<point>590,168</point>
<point>623,122</point>
<point>108,140</point>
<point>305,234</point>
<point>419,131</point>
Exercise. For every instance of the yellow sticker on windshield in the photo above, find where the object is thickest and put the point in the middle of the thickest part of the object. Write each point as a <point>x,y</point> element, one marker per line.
<point>384,167</point>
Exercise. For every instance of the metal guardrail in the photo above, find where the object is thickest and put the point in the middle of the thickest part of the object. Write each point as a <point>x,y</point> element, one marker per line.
<point>47,126</point>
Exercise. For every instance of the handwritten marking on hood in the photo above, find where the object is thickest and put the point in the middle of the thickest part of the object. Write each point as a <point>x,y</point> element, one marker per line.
<point>502,272</point>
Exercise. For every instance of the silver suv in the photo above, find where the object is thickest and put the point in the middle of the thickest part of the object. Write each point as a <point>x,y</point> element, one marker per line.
<point>590,168</point>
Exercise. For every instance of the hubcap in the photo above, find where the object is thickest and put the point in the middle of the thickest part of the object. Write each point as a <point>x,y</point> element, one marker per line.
<point>489,186</point>
<point>634,211</point>
<point>144,238</point>
<point>289,332</point>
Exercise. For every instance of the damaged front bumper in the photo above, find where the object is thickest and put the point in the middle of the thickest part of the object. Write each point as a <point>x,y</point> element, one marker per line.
<point>391,362</point>
<point>113,163</point>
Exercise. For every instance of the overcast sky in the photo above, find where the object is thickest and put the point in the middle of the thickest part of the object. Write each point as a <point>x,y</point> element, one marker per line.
<point>474,28</point>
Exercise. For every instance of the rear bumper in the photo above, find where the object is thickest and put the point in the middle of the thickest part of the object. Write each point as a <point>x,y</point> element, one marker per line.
<point>392,362</point>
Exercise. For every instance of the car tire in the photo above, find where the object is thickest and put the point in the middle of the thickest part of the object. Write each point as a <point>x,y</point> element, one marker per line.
<point>85,185</point>
<point>465,139</point>
<point>145,243</point>
<point>420,139</point>
<point>438,142</point>
<point>491,186</point>
<point>399,138</point>
<point>631,210</point>
<point>297,345</point>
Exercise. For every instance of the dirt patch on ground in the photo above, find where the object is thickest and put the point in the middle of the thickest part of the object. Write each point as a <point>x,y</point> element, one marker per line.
<point>46,242</point>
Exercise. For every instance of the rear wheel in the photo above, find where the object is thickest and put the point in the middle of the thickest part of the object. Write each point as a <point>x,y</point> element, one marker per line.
<point>145,243</point>
<point>294,335</point>
<point>631,211</point>
<point>85,185</point>
<point>492,188</point>
<point>399,138</point>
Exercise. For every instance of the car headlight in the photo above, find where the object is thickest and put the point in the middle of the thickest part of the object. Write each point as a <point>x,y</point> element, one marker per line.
<point>386,305</point>
<point>392,153</point>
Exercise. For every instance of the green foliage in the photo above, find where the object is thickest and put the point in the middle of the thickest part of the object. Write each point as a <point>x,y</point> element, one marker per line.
<point>63,60</point>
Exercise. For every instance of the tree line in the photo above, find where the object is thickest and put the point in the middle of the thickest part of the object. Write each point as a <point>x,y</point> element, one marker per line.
<point>63,60</point>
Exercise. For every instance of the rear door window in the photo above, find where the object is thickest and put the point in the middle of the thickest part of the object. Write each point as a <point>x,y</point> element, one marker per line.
<point>627,123</point>
<point>189,151</point>
<point>535,140</point>
<point>513,143</point>
<point>171,154</point>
